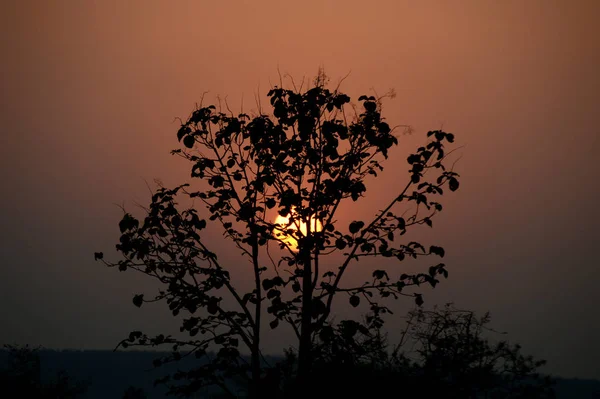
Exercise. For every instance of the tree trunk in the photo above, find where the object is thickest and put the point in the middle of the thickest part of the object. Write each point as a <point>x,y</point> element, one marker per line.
<point>305,350</point>
<point>255,350</point>
<point>255,364</point>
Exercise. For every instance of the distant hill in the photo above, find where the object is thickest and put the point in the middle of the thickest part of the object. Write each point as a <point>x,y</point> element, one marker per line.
<point>111,373</point>
<point>577,388</point>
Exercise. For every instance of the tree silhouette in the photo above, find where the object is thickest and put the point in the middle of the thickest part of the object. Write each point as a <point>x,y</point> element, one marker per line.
<point>300,164</point>
<point>446,352</point>
<point>455,353</point>
<point>23,377</point>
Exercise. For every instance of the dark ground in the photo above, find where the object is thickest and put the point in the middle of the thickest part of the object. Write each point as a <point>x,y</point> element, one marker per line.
<point>111,373</point>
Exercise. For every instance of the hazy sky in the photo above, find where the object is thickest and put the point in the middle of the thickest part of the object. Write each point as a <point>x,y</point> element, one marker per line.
<point>90,91</point>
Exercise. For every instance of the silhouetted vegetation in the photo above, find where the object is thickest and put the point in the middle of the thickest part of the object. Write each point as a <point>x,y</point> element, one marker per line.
<point>22,378</point>
<point>443,352</point>
<point>302,163</point>
<point>371,368</point>
<point>456,355</point>
<point>134,393</point>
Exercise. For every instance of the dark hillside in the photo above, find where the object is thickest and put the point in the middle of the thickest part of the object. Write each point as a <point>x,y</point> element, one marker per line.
<point>111,373</point>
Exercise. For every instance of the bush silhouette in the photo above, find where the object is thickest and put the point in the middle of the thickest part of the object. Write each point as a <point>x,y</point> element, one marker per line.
<point>23,378</point>
<point>443,352</point>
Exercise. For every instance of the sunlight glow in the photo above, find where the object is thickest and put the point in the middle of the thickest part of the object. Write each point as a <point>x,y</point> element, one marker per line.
<point>290,239</point>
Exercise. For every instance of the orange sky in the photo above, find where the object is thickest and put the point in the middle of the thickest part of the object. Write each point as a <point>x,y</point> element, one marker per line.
<point>89,92</point>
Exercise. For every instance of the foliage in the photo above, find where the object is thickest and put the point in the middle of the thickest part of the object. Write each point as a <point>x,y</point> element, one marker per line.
<point>301,163</point>
<point>22,378</point>
<point>134,393</point>
<point>454,351</point>
<point>443,352</point>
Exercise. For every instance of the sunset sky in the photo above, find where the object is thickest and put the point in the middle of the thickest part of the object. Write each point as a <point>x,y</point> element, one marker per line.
<point>90,92</point>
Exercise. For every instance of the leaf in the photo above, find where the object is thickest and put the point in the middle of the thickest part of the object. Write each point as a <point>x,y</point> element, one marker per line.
<point>401,223</point>
<point>370,106</point>
<point>270,203</point>
<point>128,223</point>
<point>98,255</point>
<point>379,274</point>
<point>443,271</point>
<point>273,324</point>
<point>383,128</point>
<point>343,132</point>
<point>419,299</point>
<point>413,158</point>
<point>189,141</point>
<point>182,132</point>
<point>356,226</point>
<point>453,184</point>
<point>134,335</point>
<point>213,306</point>
<point>354,300</point>
<point>296,286</point>
<point>437,251</point>
<point>267,284</point>
<point>340,243</point>
<point>138,300</point>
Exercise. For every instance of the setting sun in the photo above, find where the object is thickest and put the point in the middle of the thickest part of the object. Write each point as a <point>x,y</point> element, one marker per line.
<point>290,239</point>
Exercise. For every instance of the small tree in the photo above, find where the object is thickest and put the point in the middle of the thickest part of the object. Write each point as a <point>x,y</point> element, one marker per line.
<point>445,352</point>
<point>455,353</point>
<point>300,164</point>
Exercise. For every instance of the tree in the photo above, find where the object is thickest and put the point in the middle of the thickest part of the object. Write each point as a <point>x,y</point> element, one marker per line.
<point>446,352</point>
<point>23,377</point>
<point>455,353</point>
<point>300,164</point>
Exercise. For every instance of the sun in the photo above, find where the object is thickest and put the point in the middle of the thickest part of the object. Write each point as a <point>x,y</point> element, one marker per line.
<point>284,225</point>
